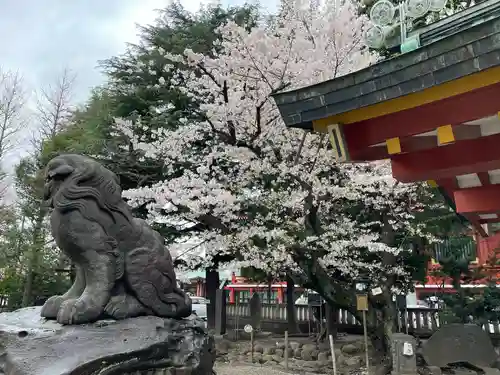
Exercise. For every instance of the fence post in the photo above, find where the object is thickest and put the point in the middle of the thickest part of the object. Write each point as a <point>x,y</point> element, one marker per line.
<point>366,343</point>
<point>220,312</point>
<point>211,285</point>
<point>237,325</point>
<point>334,360</point>
<point>286,350</point>
<point>252,346</point>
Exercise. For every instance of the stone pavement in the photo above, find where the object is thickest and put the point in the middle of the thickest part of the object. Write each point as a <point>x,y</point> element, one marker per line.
<point>232,369</point>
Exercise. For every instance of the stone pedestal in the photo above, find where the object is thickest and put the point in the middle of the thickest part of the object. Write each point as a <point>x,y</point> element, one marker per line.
<point>404,362</point>
<point>30,345</point>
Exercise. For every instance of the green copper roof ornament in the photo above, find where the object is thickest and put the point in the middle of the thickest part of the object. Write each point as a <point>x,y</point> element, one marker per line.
<point>386,18</point>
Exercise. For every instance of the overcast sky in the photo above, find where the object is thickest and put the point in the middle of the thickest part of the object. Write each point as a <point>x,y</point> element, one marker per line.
<point>42,37</point>
<point>39,38</point>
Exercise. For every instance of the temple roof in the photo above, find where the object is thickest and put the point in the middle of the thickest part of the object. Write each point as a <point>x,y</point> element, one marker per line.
<point>463,44</point>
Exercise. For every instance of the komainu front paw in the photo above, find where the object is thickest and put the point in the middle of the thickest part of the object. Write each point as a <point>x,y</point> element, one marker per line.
<point>117,308</point>
<point>51,307</point>
<point>78,311</point>
<point>125,306</point>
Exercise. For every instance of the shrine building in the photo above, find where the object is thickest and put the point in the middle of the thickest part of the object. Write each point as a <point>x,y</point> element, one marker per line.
<point>433,111</point>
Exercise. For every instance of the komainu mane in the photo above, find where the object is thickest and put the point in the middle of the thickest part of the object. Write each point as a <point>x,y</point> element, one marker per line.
<point>122,266</point>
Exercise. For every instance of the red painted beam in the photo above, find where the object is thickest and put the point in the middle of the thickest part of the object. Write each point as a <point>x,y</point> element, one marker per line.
<point>450,185</point>
<point>454,110</point>
<point>412,144</point>
<point>484,199</point>
<point>463,157</point>
<point>409,144</point>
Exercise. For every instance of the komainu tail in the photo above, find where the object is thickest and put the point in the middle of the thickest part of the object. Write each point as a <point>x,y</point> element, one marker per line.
<point>151,276</point>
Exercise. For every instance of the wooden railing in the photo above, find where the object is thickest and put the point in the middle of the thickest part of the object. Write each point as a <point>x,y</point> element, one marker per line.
<point>3,301</point>
<point>464,247</point>
<point>417,321</point>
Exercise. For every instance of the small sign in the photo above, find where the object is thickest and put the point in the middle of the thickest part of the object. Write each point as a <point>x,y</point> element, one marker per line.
<point>248,328</point>
<point>360,287</point>
<point>362,302</point>
<point>407,349</point>
<point>377,291</point>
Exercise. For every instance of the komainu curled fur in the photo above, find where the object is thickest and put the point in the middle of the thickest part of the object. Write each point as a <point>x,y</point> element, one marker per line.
<point>123,269</point>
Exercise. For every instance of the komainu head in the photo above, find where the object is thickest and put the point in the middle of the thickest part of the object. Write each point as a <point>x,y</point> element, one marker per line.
<point>72,179</point>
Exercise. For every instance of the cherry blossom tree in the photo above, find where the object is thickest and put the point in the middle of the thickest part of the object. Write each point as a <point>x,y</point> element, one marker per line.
<point>266,196</point>
<point>237,134</point>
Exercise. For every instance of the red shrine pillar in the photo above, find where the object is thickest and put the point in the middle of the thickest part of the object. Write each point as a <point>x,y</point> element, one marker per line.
<point>280,295</point>
<point>200,288</point>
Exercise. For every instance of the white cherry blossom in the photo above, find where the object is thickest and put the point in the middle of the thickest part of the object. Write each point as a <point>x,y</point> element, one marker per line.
<point>265,193</point>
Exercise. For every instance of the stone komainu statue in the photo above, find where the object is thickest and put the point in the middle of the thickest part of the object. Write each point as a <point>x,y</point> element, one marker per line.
<point>123,269</point>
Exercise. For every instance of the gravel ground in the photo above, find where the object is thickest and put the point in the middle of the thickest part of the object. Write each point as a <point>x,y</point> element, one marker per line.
<point>233,369</point>
<point>241,369</point>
